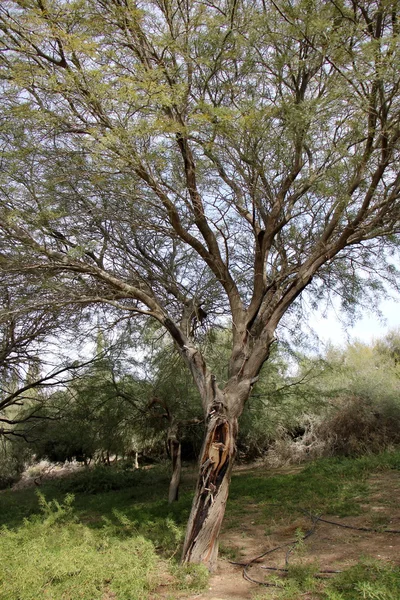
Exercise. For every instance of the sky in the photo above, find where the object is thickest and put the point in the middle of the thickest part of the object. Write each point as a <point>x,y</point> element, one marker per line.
<point>366,329</point>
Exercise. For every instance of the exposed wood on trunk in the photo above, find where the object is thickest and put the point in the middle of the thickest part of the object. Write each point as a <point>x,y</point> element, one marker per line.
<point>216,462</point>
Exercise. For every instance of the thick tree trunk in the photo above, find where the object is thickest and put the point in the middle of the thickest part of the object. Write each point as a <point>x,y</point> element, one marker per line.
<point>175,451</point>
<point>208,509</point>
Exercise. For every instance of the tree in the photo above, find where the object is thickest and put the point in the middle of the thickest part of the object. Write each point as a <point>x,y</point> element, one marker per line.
<point>174,405</point>
<point>94,416</point>
<point>25,379</point>
<point>192,162</point>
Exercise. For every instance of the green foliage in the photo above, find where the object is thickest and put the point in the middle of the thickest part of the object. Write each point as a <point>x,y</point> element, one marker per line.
<point>54,511</point>
<point>370,580</point>
<point>66,557</point>
<point>164,533</point>
<point>100,414</point>
<point>353,408</point>
<point>370,372</point>
<point>365,414</point>
<point>300,126</point>
<point>334,486</point>
<point>287,390</point>
<point>117,541</point>
<point>173,398</point>
<point>99,479</point>
<point>13,459</point>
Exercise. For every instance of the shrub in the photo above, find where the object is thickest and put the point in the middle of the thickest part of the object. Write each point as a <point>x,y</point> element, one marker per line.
<point>360,426</point>
<point>52,556</point>
<point>353,426</point>
<point>98,479</point>
<point>287,449</point>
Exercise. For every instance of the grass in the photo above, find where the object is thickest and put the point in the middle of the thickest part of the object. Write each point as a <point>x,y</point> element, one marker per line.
<point>105,534</point>
<point>334,486</point>
<point>99,492</point>
<point>368,580</point>
<point>71,561</point>
<point>75,541</point>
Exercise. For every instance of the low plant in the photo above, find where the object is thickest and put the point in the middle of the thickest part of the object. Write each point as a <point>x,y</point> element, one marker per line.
<point>67,559</point>
<point>98,479</point>
<point>367,580</point>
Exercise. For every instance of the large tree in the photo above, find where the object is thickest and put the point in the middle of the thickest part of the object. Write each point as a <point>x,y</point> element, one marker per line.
<point>193,161</point>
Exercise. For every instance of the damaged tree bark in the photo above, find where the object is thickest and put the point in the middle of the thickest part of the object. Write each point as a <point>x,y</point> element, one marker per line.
<point>216,462</point>
<point>215,467</point>
<point>222,409</point>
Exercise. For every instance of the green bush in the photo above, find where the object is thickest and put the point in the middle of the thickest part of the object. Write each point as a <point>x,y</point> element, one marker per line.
<point>369,580</point>
<point>10,471</point>
<point>53,556</point>
<point>164,533</point>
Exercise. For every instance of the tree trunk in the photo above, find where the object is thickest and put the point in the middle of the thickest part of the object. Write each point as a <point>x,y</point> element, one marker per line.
<point>208,509</point>
<point>175,451</point>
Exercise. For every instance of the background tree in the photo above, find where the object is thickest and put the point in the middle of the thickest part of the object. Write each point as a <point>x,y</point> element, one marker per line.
<point>98,414</point>
<point>193,161</point>
<point>175,407</point>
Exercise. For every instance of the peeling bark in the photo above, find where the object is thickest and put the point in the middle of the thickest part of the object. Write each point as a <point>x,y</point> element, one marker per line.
<point>223,408</point>
<point>216,462</point>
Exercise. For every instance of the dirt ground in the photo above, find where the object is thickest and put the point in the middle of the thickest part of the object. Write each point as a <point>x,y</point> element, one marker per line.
<point>330,546</point>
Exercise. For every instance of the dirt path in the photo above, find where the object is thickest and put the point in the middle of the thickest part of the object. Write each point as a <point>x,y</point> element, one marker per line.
<point>330,546</point>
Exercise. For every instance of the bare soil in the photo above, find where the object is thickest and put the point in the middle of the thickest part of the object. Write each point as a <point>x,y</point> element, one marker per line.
<point>45,471</point>
<point>330,546</point>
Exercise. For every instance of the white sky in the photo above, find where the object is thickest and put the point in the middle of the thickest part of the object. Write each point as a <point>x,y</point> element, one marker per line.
<point>366,329</point>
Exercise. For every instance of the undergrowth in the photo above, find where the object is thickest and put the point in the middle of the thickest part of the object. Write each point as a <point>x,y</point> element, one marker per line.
<point>111,534</point>
<point>367,580</point>
<point>335,486</point>
<point>58,553</point>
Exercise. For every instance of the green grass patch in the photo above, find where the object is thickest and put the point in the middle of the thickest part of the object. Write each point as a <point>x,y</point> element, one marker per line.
<point>55,557</point>
<point>334,486</point>
<point>108,533</point>
<point>101,491</point>
<point>95,545</point>
<point>368,580</point>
